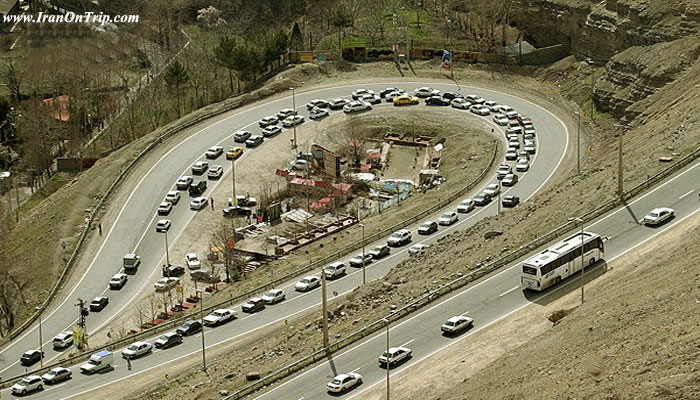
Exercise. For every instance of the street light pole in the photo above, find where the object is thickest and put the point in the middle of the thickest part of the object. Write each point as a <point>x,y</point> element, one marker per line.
<point>324,309</point>
<point>234,201</point>
<point>388,366</point>
<point>167,255</point>
<point>201,322</point>
<point>294,106</point>
<point>364,275</point>
<point>578,143</point>
<point>498,205</point>
<point>583,266</point>
<point>41,341</point>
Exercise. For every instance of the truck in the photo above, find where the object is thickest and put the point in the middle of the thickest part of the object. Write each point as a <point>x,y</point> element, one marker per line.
<point>131,262</point>
<point>98,362</point>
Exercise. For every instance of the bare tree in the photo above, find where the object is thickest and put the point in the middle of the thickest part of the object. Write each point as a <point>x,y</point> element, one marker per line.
<point>141,314</point>
<point>152,306</point>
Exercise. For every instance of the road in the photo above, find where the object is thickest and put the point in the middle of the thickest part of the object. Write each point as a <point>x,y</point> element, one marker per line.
<point>138,211</point>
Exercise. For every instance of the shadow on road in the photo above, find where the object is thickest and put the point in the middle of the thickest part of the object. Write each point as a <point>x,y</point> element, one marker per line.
<point>629,210</point>
<point>572,283</point>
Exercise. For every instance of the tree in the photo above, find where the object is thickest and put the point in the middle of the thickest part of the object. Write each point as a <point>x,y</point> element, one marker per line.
<point>224,54</point>
<point>296,40</point>
<point>210,17</point>
<point>341,19</point>
<point>13,80</point>
<point>176,77</point>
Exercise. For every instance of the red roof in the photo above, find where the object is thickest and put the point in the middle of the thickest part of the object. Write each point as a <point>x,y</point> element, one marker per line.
<point>60,111</point>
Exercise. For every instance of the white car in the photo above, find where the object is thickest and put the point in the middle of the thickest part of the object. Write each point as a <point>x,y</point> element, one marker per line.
<point>658,216</point>
<point>317,113</point>
<point>503,170</point>
<point>286,112</point>
<point>529,130</point>
<point>164,208</point>
<point>137,349</point>
<point>399,238</point>
<point>478,109</point>
<point>118,281</point>
<point>215,172</point>
<point>198,203</point>
<point>509,180</point>
<point>63,340</point>
<point>28,384</point>
<point>426,92</point>
<point>292,120</point>
<point>475,99</point>
<point>448,218</point>
<point>500,119</point>
<point>334,270</point>
<point>173,197</point>
<point>530,148</point>
<point>307,283</point>
<point>163,225</point>
<point>355,106</point>
<point>299,164</point>
<point>456,324</point>
<point>273,296</point>
<point>466,205</point>
<point>509,112</point>
<point>357,260</point>
<point>316,103</point>
<point>267,121</point>
<point>395,355</point>
<point>511,153</point>
<point>343,382</point>
<point>517,130</point>
<point>214,152</point>
<point>55,375</point>
<point>192,261</point>
<point>492,189</point>
<point>271,130</point>
<point>164,284</point>
<point>522,165</point>
<point>461,103</point>
<point>219,316</point>
<point>492,105</point>
<point>184,182</point>
<point>361,92</point>
<point>418,248</point>
<point>200,167</point>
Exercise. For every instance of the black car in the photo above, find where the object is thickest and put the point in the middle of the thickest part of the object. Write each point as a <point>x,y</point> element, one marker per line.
<point>481,199</point>
<point>253,305</point>
<point>241,136</point>
<point>197,187</point>
<point>254,141</point>
<point>452,95</point>
<point>31,357</point>
<point>337,104</point>
<point>510,201</point>
<point>316,103</point>
<point>237,211</point>
<point>428,227</point>
<point>99,303</point>
<point>437,101</point>
<point>167,340</point>
<point>173,270</point>
<point>189,327</point>
<point>388,90</point>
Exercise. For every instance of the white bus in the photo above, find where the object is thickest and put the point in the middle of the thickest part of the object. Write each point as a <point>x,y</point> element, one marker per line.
<point>561,260</point>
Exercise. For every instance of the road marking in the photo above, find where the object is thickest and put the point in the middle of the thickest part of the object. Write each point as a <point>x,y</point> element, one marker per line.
<point>407,343</point>
<point>686,194</point>
<point>508,291</point>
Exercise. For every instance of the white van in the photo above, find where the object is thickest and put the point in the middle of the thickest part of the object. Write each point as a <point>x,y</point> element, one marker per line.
<point>98,362</point>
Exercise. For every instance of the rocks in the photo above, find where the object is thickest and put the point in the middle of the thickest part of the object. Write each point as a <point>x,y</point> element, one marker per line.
<point>492,234</point>
<point>223,392</point>
<point>252,376</point>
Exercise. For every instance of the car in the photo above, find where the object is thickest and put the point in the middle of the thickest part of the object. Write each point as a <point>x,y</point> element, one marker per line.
<point>448,218</point>
<point>165,284</point>
<point>405,99</point>
<point>189,327</point>
<point>293,120</point>
<point>273,296</point>
<point>380,251</point>
<point>192,261</point>
<point>63,340</point>
<point>658,216</point>
<point>184,182</point>
<point>334,270</point>
<point>510,200</point>
<point>253,304</point>
<point>524,155</point>
<point>173,270</point>
<point>418,248</point>
<point>299,165</point>
<point>437,101</point>
<point>198,203</point>
<point>118,281</point>
<point>215,172</point>
<point>200,167</point>
<point>286,112</point>
<point>475,99</point>
<point>452,95</point>
<point>163,225</point>
<point>357,261</point>
<point>28,384</point>
<point>529,137</point>
<point>236,211</point>
<point>31,357</point>
<point>172,197</point>
<point>204,275</point>
<point>197,187</point>
<point>465,206</point>
<point>214,152</point>
<point>99,303</point>
<point>244,200</point>
<point>500,119</point>
<point>425,91</point>
<point>530,148</point>
<point>427,227</point>
<point>391,96</point>
<point>271,130</point>
<point>307,283</point>
<point>384,92</point>
<point>395,355</point>
<point>220,316</point>
<point>456,324</point>
<point>137,349</point>
<point>241,136</point>
<point>343,382</point>
<point>168,340</point>
<point>478,109</point>
<point>518,130</point>
<point>461,103</point>
<point>267,121</point>
<point>515,143</point>
<point>512,137</point>
<point>317,103</point>
<point>234,152</point>
<point>509,180</point>
<point>317,113</point>
<point>337,103</point>
<point>492,189</point>
<point>524,119</point>
<point>482,199</point>
<point>254,141</point>
<point>55,375</point>
<point>492,105</point>
<point>511,154</point>
<point>356,106</point>
<point>371,98</point>
<point>522,165</point>
<point>361,92</point>
<point>529,130</point>
<point>503,170</point>
<point>164,208</point>
<point>399,238</point>
<point>509,112</point>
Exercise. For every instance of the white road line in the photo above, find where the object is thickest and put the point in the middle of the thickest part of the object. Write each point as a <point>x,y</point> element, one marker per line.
<point>686,194</point>
<point>508,291</point>
<point>407,343</point>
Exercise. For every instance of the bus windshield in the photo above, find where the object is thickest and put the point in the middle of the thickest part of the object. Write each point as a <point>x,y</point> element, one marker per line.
<point>529,270</point>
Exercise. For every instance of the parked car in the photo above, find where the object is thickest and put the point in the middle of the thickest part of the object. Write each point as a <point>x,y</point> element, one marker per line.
<point>57,374</point>
<point>475,99</point>
<point>99,303</point>
<point>63,340</point>
<point>658,216</point>
<point>460,103</point>
<point>200,167</point>
<point>426,92</point>
<point>529,130</point>
<point>510,200</point>
<point>162,225</point>
<point>299,165</point>
<point>437,101</point>
<point>173,271</point>
<point>452,95</point>
<point>456,324</point>
<point>482,199</point>
<point>165,284</point>
<point>169,339</point>
<point>418,248</point>
<point>267,121</point>
<point>271,130</point>
<point>317,113</point>
<point>184,182</point>
<point>448,218</point>
<point>219,316</point>
<point>317,103</point>
<point>399,238</point>
<point>509,180</point>
<point>523,155</point>
<point>518,130</point>
<point>137,349</point>
<point>286,112</point>
<point>204,275</point>
<point>343,382</point>
<point>27,384</point>
<point>503,170</point>
<point>31,357</point>
<point>511,154</point>
<point>356,106</point>
<point>307,283</point>
<point>334,270</point>
<point>427,227</point>
<point>500,119</point>
<point>530,148</point>
<point>492,105</point>
<point>192,261</point>
<point>273,296</point>
<point>466,205</point>
<point>254,141</point>
<point>164,208</point>
<point>292,120</point>
<point>197,187</point>
<point>234,152</point>
<point>214,152</point>
<point>189,327</point>
<point>254,304</point>
<point>389,98</point>
<point>478,109</point>
<point>380,251</point>
<point>522,165</point>
<point>492,189</point>
<point>337,103</point>
<point>361,92</point>
<point>118,281</point>
<point>405,99</point>
<point>198,203</point>
<point>357,261</point>
<point>515,143</point>
<point>232,211</point>
<point>241,136</point>
<point>173,197</point>
<point>394,356</point>
<point>384,92</point>
<point>215,172</point>
<point>371,98</point>
<point>246,201</point>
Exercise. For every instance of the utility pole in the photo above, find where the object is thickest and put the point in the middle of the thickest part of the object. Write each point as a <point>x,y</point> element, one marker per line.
<point>294,106</point>
<point>498,203</point>
<point>364,274</point>
<point>583,266</point>
<point>234,200</point>
<point>41,341</point>
<point>201,321</point>
<point>388,366</point>
<point>324,309</point>
<point>167,255</point>
<point>578,143</point>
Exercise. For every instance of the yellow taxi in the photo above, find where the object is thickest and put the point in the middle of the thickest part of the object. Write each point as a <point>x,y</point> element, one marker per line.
<point>405,99</point>
<point>234,152</point>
